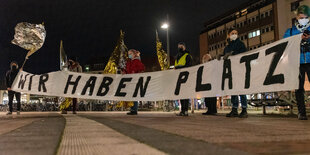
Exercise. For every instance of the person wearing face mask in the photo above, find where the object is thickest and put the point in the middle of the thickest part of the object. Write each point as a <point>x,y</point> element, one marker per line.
<point>302,26</point>
<point>10,76</point>
<point>183,60</point>
<point>235,46</point>
<point>134,65</point>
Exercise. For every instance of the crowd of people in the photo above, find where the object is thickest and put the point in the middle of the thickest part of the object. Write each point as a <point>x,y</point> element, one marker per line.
<point>183,59</point>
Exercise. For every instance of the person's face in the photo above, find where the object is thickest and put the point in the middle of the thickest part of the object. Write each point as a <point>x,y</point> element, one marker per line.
<point>130,54</point>
<point>181,47</point>
<point>301,16</point>
<point>233,32</point>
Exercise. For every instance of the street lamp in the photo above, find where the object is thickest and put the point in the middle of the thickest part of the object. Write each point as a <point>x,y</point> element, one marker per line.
<point>166,26</point>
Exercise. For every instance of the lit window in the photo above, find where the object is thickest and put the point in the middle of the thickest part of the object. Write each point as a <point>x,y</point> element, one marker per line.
<point>257,32</point>
<point>254,34</point>
<point>250,35</point>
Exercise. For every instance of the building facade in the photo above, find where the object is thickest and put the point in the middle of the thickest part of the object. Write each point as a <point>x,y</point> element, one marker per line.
<point>259,22</point>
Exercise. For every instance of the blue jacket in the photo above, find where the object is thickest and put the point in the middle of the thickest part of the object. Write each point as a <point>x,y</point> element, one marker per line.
<point>304,55</point>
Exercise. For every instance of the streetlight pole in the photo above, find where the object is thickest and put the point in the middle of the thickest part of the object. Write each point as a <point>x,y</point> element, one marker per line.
<point>166,26</point>
<point>168,45</point>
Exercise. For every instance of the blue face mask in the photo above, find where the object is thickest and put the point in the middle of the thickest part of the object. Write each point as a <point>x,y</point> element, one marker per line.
<point>130,56</point>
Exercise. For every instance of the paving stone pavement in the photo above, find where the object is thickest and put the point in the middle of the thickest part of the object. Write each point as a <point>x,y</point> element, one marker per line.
<point>83,136</point>
<point>31,134</point>
<point>37,133</point>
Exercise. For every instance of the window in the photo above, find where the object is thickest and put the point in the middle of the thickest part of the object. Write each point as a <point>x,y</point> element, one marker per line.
<point>267,29</point>
<point>294,5</point>
<point>254,34</point>
<point>262,15</point>
<point>263,30</point>
<point>250,35</point>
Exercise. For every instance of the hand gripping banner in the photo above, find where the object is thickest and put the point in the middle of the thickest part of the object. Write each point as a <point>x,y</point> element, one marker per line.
<point>272,68</point>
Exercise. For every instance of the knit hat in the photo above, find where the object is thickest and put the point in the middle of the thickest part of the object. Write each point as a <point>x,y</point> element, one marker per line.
<point>303,9</point>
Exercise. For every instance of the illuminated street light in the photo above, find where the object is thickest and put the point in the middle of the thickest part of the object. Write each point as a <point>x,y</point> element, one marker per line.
<point>165,26</point>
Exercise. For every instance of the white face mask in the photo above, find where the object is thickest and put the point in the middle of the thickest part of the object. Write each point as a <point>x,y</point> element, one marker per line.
<point>233,37</point>
<point>303,21</point>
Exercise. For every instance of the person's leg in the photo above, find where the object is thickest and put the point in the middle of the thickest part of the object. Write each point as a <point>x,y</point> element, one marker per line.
<point>17,97</point>
<point>235,104</point>
<point>74,102</point>
<point>11,97</point>
<point>134,108</point>
<point>300,93</point>
<point>244,104</point>
<point>213,107</point>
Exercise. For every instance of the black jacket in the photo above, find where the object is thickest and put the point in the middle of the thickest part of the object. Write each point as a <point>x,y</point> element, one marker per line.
<point>10,76</point>
<point>188,59</point>
<point>235,46</point>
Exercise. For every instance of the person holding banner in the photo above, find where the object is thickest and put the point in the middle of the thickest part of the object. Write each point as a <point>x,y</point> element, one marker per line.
<point>134,65</point>
<point>10,76</point>
<point>302,26</point>
<point>73,66</point>
<point>183,60</point>
<point>210,102</point>
<point>235,46</point>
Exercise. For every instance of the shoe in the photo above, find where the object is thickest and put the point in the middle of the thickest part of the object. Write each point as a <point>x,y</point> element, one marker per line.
<point>233,113</point>
<point>208,113</point>
<point>244,113</point>
<point>63,112</point>
<point>74,112</point>
<point>183,113</point>
<point>18,113</point>
<point>132,113</point>
<point>302,117</point>
<point>9,113</point>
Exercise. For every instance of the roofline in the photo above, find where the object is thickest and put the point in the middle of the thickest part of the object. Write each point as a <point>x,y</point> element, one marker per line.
<point>232,11</point>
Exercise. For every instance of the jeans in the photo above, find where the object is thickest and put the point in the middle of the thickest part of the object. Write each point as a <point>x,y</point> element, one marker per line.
<point>134,108</point>
<point>300,97</point>
<point>235,101</point>
<point>11,97</point>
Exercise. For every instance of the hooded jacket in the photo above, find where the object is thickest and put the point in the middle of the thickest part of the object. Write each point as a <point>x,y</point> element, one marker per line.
<point>304,54</point>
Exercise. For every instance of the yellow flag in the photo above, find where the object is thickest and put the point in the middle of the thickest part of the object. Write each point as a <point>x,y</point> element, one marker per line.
<point>118,57</point>
<point>161,54</point>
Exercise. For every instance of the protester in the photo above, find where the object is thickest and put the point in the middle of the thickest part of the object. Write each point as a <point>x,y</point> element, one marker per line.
<point>235,46</point>
<point>210,102</point>
<point>10,76</point>
<point>302,26</point>
<point>183,60</point>
<point>73,66</point>
<point>134,65</point>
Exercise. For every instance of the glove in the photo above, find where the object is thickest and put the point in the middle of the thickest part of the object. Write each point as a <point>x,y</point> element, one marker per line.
<point>227,55</point>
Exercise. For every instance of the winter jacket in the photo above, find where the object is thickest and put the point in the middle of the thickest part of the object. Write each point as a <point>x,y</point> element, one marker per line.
<point>179,58</point>
<point>10,76</point>
<point>235,46</point>
<point>304,54</point>
<point>134,66</point>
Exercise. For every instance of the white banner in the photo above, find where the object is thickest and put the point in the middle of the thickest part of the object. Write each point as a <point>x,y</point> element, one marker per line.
<point>274,67</point>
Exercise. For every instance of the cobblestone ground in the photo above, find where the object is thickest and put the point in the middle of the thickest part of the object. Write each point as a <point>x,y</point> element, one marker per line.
<point>151,133</point>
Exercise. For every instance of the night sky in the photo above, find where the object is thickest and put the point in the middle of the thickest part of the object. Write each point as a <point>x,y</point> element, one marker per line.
<point>90,28</point>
